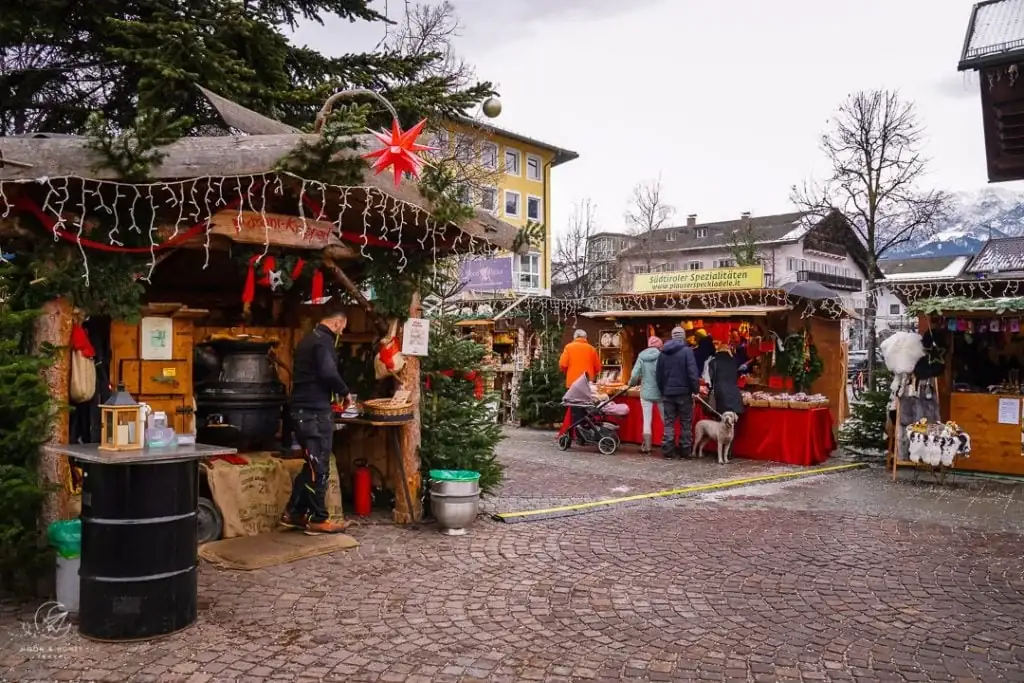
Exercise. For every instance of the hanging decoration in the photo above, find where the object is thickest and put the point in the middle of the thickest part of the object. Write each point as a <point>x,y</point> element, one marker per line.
<point>400,151</point>
<point>279,274</point>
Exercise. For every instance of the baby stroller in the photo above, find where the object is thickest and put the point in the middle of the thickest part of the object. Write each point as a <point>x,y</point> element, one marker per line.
<point>593,427</point>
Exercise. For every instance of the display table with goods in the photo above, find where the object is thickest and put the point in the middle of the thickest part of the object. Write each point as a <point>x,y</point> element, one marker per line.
<point>139,538</point>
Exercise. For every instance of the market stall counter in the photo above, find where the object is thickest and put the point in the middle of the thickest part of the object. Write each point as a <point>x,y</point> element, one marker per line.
<point>139,539</point>
<point>786,435</point>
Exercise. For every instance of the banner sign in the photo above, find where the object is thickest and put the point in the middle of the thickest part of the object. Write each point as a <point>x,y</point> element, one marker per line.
<point>700,280</point>
<point>488,275</point>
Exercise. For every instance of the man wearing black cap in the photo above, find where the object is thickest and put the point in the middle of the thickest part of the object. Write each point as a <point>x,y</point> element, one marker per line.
<point>315,379</point>
<point>678,380</point>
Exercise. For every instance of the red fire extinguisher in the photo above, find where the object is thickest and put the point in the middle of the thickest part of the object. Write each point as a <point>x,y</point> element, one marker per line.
<point>362,489</point>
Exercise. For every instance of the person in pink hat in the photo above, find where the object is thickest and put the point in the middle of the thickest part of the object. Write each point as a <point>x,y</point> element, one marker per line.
<point>645,374</point>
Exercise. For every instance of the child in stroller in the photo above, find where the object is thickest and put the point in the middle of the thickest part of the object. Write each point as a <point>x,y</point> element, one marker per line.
<point>592,426</point>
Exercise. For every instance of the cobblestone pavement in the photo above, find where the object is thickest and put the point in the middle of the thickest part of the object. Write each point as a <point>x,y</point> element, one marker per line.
<point>838,578</point>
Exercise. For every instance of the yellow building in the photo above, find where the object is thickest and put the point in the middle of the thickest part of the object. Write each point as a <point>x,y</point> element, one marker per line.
<point>509,175</point>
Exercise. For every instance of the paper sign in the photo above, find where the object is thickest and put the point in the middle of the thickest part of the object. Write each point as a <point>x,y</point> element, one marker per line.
<point>155,338</point>
<point>1009,411</point>
<point>401,397</point>
<point>170,372</point>
<point>416,337</point>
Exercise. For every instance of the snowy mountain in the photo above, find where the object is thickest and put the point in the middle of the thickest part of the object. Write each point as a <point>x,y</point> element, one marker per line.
<point>990,212</point>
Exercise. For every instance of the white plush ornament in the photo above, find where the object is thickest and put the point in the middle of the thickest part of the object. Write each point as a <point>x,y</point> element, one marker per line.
<point>901,352</point>
<point>276,279</point>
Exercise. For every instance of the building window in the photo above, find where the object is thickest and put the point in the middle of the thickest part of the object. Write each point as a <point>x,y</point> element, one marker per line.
<point>511,204</point>
<point>489,199</point>
<point>791,264</point>
<point>846,272</point>
<point>529,270</point>
<point>440,141</point>
<point>694,265</point>
<point>725,263</point>
<point>533,167</point>
<point>512,162</point>
<point>489,156</point>
<point>894,309</point>
<point>464,149</point>
<point>534,209</point>
<point>464,194</point>
<point>670,237</point>
<point>701,232</point>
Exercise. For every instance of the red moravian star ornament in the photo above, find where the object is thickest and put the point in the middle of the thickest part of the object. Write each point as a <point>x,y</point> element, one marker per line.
<point>399,151</point>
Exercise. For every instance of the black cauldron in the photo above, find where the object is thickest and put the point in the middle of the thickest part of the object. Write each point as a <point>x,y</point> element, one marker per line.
<point>239,396</point>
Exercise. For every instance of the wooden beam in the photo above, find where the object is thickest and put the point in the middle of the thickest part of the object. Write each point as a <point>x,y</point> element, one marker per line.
<point>341,278</point>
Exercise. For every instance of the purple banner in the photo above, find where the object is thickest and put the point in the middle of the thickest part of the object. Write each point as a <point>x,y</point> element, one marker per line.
<point>488,275</point>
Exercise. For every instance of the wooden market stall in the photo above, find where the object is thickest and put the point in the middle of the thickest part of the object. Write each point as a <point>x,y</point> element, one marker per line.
<point>778,424</point>
<point>980,344</point>
<point>227,249</point>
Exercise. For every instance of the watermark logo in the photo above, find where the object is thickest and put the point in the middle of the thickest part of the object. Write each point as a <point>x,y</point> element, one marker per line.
<point>50,621</point>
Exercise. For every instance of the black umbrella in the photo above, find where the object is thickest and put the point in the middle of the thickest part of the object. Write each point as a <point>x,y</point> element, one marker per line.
<point>815,291</point>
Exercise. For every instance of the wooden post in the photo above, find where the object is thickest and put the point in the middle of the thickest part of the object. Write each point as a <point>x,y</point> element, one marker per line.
<point>410,436</point>
<point>54,327</point>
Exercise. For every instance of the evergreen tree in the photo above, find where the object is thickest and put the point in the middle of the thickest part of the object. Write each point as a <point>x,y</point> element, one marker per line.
<point>459,431</point>
<point>543,384</point>
<point>63,60</point>
<point>24,426</point>
<point>864,431</point>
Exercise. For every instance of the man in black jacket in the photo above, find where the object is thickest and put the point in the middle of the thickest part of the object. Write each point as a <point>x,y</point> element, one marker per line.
<point>315,380</point>
<point>678,381</point>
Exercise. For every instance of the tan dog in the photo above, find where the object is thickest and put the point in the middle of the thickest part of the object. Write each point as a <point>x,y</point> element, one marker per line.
<point>720,432</point>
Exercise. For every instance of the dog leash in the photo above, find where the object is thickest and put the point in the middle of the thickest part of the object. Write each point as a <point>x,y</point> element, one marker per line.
<point>708,406</point>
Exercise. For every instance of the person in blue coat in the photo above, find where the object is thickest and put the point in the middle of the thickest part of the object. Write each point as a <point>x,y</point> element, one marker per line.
<point>678,380</point>
<point>645,374</point>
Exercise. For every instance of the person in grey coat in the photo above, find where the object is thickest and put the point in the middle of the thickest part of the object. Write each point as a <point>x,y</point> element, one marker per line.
<point>678,380</point>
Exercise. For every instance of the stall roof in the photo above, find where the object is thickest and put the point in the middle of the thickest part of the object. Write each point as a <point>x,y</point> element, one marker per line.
<point>739,311</point>
<point>961,304</point>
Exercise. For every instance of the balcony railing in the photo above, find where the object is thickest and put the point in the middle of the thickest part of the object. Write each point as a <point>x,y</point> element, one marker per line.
<point>823,246</point>
<point>848,284</point>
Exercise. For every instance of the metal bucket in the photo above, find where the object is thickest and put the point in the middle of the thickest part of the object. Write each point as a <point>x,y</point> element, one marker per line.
<point>455,512</point>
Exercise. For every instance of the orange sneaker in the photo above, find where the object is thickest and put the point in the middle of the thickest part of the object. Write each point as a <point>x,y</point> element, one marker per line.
<point>289,522</point>
<point>325,527</point>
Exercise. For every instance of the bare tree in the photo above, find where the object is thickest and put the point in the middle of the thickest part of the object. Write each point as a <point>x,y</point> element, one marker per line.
<point>573,254</point>
<point>430,29</point>
<point>743,245</point>
<point>648,212</point>
<point>874,147</point>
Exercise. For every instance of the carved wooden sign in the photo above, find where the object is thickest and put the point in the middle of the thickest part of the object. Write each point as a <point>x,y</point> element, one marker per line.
<point>281,230</point>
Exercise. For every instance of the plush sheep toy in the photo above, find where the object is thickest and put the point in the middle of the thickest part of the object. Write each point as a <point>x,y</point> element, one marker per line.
<point>901,352</point>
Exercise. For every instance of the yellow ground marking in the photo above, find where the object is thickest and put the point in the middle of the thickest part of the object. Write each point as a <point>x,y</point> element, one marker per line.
<point>695,488</point>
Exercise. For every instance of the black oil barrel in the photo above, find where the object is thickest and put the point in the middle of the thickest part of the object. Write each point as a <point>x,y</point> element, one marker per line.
<point>138,577</point>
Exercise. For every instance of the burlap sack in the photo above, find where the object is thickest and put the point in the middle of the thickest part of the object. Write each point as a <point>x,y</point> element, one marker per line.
<point>251,497</point>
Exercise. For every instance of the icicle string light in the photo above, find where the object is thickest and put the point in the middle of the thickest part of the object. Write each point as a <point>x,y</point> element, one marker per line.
<point>198,200</point>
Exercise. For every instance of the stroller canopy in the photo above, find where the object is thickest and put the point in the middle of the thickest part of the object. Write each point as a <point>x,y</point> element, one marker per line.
<point>579,393</point>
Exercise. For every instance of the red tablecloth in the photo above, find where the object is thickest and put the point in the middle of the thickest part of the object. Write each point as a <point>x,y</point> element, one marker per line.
<point>793,437</point>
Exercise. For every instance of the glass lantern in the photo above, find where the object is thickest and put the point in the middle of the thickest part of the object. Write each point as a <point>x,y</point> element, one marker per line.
<point>121,423</point>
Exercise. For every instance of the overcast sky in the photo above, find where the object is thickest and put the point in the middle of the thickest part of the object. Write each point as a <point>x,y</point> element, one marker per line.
<point>726,99</point>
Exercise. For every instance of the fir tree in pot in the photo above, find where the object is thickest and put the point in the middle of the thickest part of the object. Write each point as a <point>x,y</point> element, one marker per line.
<point>459,431</point>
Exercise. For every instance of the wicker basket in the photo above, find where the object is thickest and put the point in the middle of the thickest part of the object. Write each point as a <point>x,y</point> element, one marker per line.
<point>758,404</point>
<point>778,404</point>
<point>808,405</point>
<point>386,410</point>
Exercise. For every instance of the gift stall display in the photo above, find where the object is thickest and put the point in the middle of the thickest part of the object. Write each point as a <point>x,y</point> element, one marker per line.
<point>968,366</point>
<point>777,356</point>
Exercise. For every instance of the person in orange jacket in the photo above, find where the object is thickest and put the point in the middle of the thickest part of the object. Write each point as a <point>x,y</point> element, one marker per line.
<point>579,358</point>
